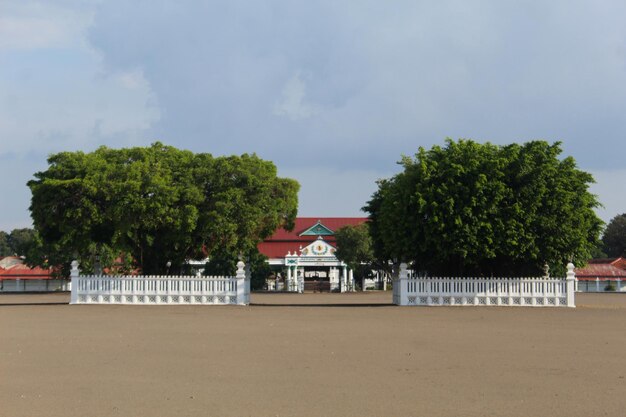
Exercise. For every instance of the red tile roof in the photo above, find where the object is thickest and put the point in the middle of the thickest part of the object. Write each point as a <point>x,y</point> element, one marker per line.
<point>304,223</point>
<point>283,241</point>
<point>613,268</point>
<point>14,268</point>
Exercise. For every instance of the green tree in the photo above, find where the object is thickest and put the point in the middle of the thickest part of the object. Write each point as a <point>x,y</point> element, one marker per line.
<point>470,208</point>
<point>354,247</point>
<point>157,204</point>
<point>614,238</point>
<point>224,263</point>
<point>21,240</point>
<point>5,248</point>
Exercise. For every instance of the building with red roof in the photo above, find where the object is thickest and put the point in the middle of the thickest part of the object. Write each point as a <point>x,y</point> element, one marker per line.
<point>304,258</point>
<point>15,275</point>
<point>13,267</point>
<point>608,274</point>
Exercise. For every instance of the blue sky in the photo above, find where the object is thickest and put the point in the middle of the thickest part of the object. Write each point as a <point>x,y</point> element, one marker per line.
<point>332,92</point>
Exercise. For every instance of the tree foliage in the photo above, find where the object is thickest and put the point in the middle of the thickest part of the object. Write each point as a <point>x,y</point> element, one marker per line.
<point>157,204</point>
<point>21,240</point>
<point>5,248</point>
<point>471,208</point>
<point>354,247</point>
<point>18,242</point>
<point>224,263</point>
<point>614,238</point>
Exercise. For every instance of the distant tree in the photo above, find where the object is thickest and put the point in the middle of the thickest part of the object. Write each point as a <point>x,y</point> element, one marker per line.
<point>614,238</point>
<point>21,240</point>
<point>259,269</point>
<point>18,242</point>
<point>156,204</point>
<point>354,247</point>
<point>5,248</point>
<point>483,209</point>
<point>224,263</point>
<point>598,251</point>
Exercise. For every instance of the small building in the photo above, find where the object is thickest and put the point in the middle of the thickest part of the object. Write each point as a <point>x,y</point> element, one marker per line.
<point>304,259</point>
<point>608,274</point>
<point>16,276</point>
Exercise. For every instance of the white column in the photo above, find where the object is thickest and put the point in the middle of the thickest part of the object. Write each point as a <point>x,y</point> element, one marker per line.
<point>570,283</point>
<point>74,274</point>
<point>288,280</point>
<point>351,279</point>
<point>342,286</point>
<point>300,276</point>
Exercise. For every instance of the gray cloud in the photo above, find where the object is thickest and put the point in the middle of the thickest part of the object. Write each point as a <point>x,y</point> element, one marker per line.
<point>325,89</point>
<point>376,79</point>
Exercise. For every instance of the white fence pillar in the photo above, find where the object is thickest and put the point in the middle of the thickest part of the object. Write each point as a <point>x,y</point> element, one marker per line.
<point>402,281</point>
<point>241,283</point>
<point>571,285</point>
<point>75,277</point>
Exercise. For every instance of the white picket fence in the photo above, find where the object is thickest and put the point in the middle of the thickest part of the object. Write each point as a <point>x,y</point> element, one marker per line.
<point>156,290</point>
<point>531,292</point>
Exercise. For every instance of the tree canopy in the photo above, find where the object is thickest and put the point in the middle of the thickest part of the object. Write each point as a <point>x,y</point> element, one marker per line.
<point>225,263</point>
<point>18,242</point>
<point>5,248</point>
<point>614,238</point>
<point>354,247</point>
<point>472,208</point>
<point>157,204</point>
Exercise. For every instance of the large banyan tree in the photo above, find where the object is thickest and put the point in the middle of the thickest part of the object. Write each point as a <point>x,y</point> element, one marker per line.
<point>481,209</point>
<point>159,206</point>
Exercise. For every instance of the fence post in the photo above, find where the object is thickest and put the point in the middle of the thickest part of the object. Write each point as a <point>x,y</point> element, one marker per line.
<point>402,282</point>
<point>395,284</point>
<point>571,285</point>
<point>241,284</point>
<point>75,276</point>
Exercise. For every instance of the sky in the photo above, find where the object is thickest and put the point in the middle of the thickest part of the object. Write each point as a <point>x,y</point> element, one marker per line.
<point>334,93</point>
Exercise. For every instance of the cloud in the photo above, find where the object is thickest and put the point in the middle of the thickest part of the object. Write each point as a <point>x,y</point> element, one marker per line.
<point>53,91</point>
<point>320,86</point>
<point>133,80</point>
<point>292,101</point>
<point>357,187</point>
<point>373,81</point>
<point>608,188</point>
<point>31,24</point>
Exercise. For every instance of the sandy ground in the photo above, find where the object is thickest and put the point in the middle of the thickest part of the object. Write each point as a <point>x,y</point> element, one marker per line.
<point>311,355</point>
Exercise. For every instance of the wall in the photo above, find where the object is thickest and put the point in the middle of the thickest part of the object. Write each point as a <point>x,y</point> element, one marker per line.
<point>34,285</point>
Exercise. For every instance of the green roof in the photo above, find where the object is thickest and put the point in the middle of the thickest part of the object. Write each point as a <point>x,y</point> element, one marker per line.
<point>317,229</point>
